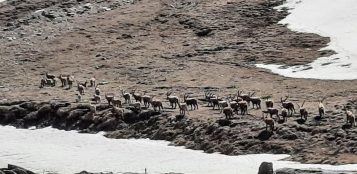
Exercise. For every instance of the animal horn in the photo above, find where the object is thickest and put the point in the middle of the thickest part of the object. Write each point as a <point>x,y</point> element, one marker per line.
<point>303,104</point>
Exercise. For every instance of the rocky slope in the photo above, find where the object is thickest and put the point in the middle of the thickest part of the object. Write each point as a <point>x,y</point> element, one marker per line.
<point>326,141</point>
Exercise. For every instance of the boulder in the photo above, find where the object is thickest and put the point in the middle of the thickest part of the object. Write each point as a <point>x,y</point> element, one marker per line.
<point>266,168</point>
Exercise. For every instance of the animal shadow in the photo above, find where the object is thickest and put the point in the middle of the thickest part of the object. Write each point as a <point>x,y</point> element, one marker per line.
<point>300,121</point>
<point>346,126</point>
<point>264,135</point>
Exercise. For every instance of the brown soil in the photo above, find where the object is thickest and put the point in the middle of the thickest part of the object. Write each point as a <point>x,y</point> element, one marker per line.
<point>157,45</point>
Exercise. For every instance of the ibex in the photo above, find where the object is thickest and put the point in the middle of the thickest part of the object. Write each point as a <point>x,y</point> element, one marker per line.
<point>118,112</point>
<point>273,111</point>
<point>191,102</point>
<point>96,98</point>
<point>174,100</point>
<point>183,109</point>
<point>92,81</point>
<point>137,97</point>
<point>109,97</point>
<point>269,103</point>
<point>126,96</point>
<point>244,97</point>
<point>256,101</point>
<point>96,90</point>
<point>147,100</point>
<point>321,108</point>
<point>222,105</point>
<point>50,76</point>
<point>70,80</point>
<point>80,88</point>
<point>243,107</point>
<point>63,79</point>
<point>209,97</point>
<point>228,112</point>
<point>234,105</point>
<point>157,104</point>
<point>268,122</point>
<point>303,111</point>
<point>284,114</point>
<point>116,102</point>
<point>350,117</point>
<point>288,105</point>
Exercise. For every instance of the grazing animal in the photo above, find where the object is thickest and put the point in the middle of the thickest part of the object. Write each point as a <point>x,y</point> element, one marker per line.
<point>80,89</point>
<point>243,107</point>
<point>222,105</point>
<point>70,80</point>
<point>116,102</point>
<point>110,98</point>
<point>79,98</point>
<point>126,96</point>
<point>96,90</point>
<point>97,98</point>
<point>228,112</point>
<point>183,109</point>
<point>83,84</point>
<point>284,114</point>
<point>92,82</point>
<point>273,111</point>
<point>288,105</point>
<point>191,102</point>
<point>174,100</point>
<point>50,76</point>
<point>303,111</point>
<point>118,112</point>
<point>321,108</point>
<point>269,122</point>
<point>157,104</point>
<point>256,101</point>
<point>47,82</point>
<point>350,117</point>
<point>63,79</point>
<point>244,97</point>
<point>147,100</point>
<point>269,103</point>
<point>137,97</point>
<point>234,105</point>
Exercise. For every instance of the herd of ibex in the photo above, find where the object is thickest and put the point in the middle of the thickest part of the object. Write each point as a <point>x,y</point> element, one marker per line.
<point>231,105</point>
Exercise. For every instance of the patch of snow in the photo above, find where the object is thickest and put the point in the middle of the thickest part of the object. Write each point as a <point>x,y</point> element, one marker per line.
<point>329,18</point>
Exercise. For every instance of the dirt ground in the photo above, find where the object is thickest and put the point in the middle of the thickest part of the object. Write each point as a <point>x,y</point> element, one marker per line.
<point>156,46</point>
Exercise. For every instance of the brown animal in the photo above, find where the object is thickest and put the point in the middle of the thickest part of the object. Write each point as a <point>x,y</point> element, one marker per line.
<point>191,102</point>
<point>137,97</point>
<point>234,105</point>
<point>157,104</point>
<point>221,105</point>
<point>116,102</point>
<point>92,82</point>
<point>273,111</point>
<point>109,97</point>
<point>183,109</point>
<point>174,100</point>
<point>63,79</point>
<point>256,101</point>
<point>243,107</point>
<point>97,98</point>
<point>118,112</point>
<point>303,111</point>
<point>126,96</point>
<point>228,112</point>
<point>269,103</point>
<point>70,80</point>
<point>147,100</point>
<point>80,88</point>
<point>288,105</point>
<point>284,114</point>
<point>321,108</point>
<point>350,117</point>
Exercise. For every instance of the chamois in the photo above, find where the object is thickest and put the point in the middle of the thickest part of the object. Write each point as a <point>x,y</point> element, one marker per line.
<point>137,97</point>
<point>321,108</point>
<point>190,102</point>
<point>288,105</point>
<point>174,100</point>
<point>303,111</point>
<point>228,112</point>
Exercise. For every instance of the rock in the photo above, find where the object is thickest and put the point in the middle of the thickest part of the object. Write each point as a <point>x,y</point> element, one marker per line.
<point>266,168</point>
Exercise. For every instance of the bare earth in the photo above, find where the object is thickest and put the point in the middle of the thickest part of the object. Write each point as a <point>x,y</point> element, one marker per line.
<point>183,46</point>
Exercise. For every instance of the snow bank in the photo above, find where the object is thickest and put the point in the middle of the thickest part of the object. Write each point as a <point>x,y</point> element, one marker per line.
<point>331,18</point>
